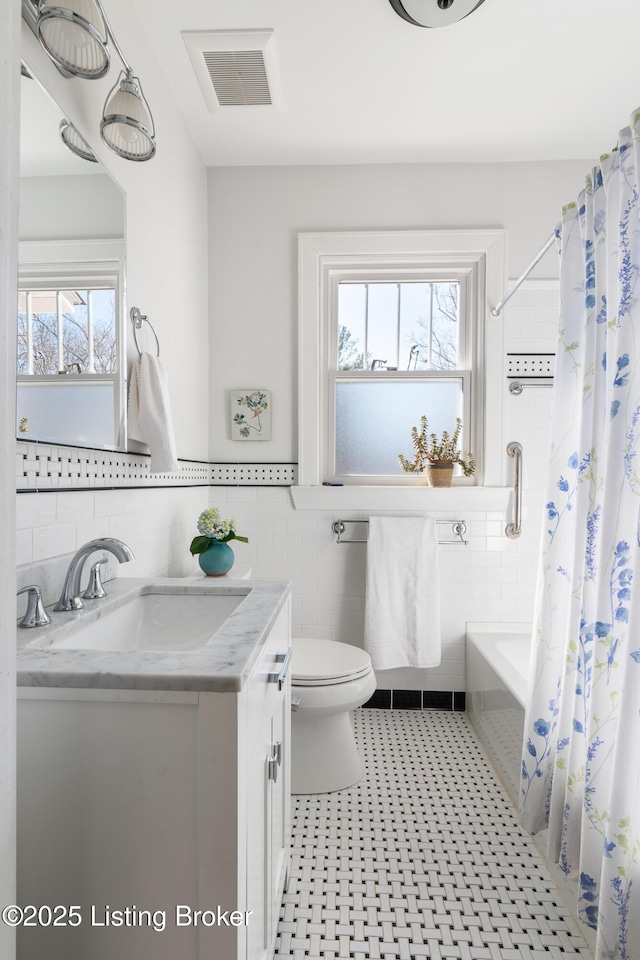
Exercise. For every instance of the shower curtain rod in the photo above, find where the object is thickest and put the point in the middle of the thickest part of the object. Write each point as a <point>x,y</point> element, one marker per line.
<point>497,310</point>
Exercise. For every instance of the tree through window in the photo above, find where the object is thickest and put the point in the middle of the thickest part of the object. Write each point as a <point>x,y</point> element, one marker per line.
<point>411,325</point>
<point>65,331</point>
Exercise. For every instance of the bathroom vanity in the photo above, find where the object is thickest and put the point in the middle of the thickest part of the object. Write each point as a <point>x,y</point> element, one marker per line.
<point>153,784</point>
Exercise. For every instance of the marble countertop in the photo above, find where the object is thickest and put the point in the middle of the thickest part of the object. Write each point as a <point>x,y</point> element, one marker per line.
<point>224,663</point>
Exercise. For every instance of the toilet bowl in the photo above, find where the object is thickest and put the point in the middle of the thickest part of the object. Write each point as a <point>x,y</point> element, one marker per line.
<point>329,679</point>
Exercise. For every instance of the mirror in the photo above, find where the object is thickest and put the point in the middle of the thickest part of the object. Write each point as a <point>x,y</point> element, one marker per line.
<point>71,347</point>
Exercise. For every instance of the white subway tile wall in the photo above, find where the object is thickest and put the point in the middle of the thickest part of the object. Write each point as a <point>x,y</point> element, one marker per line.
<point>158,525</point>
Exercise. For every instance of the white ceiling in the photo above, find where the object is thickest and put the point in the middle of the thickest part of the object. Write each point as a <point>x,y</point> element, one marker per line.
<point>516,80</point>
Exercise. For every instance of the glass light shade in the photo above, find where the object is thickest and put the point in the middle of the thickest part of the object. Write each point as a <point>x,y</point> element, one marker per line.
<point>434,13</point>
<point>74,35</point>
<point>77,144</point>
<point>127,126</point>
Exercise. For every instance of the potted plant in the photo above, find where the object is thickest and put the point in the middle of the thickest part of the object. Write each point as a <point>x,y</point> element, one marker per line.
<point>436,456</point>
<point>215,556</point>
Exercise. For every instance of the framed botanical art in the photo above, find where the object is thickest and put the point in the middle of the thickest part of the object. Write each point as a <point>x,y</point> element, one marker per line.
<point>251,414</point>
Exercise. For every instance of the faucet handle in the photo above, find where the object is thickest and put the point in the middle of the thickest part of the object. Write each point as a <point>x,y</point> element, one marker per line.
<point>36,615</point>
<point>95,590</point>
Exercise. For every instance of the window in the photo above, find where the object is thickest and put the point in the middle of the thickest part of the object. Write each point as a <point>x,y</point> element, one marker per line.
<point>67,331</point>
<point>69,366</point>
<point>392,326</point>
<point>400,351</point>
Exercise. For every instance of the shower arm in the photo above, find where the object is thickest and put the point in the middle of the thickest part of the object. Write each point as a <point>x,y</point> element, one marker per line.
<point>497,310</point>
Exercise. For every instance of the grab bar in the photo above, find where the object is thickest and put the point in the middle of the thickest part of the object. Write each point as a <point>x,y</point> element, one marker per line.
<point>513,529</point>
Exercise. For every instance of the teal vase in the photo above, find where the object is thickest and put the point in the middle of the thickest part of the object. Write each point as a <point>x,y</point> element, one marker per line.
<point>217,559</point>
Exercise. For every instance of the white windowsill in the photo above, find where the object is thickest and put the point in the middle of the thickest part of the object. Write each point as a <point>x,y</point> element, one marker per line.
<point>354,497</point>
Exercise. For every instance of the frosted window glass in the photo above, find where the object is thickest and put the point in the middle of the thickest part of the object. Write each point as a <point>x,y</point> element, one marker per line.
<point>374,421</point>
<point>69,412</point>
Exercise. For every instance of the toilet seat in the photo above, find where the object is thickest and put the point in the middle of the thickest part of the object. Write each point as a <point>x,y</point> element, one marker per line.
<point>317,663</point>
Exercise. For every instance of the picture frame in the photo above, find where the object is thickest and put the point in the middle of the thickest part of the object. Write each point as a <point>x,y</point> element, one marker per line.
<point>251,414</point>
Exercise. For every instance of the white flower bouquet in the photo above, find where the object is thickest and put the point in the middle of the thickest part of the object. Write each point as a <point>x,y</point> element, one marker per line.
<point>211,527</point>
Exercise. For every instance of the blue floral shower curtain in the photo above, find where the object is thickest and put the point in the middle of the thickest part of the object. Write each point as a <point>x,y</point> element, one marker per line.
<point>581,756</point>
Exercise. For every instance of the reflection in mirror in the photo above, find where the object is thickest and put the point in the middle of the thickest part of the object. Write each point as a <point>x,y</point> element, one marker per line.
<point>70,362</point>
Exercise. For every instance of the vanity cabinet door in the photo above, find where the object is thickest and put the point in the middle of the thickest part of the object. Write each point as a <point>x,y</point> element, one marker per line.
<point>279,794</point>
<point>268,790</point>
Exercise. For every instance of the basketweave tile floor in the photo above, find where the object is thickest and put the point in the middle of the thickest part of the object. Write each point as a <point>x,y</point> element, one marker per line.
<point>423,858</point>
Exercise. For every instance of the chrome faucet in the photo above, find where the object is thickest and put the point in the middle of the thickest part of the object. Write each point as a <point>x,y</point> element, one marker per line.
<point>36,615</point>
<point>70,596</point>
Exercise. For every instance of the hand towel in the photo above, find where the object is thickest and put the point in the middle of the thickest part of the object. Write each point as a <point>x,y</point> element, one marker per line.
<point>149,413</point>
<point>402,603</point>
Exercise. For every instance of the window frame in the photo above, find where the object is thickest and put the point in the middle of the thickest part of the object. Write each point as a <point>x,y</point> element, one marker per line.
<point>462,373</point>
<point>476,256</point>
<point>81,264</point>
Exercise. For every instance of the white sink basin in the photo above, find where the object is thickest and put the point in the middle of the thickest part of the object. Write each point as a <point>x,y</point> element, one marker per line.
<point>167,622</point>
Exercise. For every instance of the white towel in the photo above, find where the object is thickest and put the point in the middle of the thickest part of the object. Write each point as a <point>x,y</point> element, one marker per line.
<point>402,606</point>
<point>149,413</point>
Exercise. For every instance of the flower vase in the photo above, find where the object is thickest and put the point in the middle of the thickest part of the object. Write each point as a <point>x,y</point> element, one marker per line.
<point>217,559</point>
<point>439,473</point>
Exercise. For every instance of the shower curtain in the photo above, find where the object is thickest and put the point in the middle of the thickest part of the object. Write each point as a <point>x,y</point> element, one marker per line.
<point>581,754</point>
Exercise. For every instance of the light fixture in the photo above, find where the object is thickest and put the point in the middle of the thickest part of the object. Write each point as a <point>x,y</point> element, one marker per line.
<point>75,34</point>
<point>434,13</point>
<point>127,125</point>
<point>77,144</point>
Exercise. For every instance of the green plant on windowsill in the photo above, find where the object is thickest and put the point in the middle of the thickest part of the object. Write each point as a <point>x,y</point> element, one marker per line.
<point>439,451</point>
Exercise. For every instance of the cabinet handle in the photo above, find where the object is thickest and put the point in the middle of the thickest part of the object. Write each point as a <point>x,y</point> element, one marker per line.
<point>280,676</point>
<point>272,768</point>
<point>277,750</point>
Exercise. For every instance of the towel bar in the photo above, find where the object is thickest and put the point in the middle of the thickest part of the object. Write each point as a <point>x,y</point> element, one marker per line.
<point>458,527</point>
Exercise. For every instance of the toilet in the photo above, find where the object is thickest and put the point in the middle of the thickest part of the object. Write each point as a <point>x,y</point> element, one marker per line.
<point>328,679</point>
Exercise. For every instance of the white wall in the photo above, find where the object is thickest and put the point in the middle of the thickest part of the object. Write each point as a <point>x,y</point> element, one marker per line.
<point>166,228</point>
<point>71,208</point>
<point>9,172</point>
<point>255,214</point>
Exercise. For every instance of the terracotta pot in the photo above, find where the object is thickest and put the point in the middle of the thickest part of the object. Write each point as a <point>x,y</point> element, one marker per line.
<point>439,473</point>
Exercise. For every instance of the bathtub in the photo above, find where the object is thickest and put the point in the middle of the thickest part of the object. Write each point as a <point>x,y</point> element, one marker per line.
<point>497,664</point>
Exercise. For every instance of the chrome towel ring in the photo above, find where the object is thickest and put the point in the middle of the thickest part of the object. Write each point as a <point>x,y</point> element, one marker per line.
<point>137,319</point>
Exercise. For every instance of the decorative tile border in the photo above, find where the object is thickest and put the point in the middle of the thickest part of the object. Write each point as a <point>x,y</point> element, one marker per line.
<point>41,466</point>
<point>417,700</point>
<point>254,474</point>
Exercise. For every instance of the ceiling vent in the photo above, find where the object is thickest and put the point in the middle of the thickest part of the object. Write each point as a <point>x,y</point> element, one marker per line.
<point>235,68</point>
